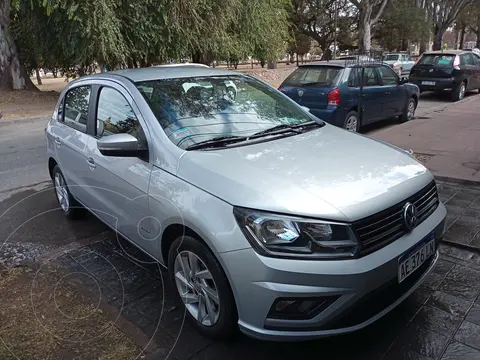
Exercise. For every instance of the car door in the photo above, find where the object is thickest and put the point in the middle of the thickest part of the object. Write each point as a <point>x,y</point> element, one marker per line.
<point>476,70</point>
<point>394,100</point>
<point>121,183</point>
<point>468,66</point>
<point>371,95</point>
<point>71,138</point>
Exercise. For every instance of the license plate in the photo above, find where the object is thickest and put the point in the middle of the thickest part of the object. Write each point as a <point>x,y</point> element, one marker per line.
<point>411,261</point>
<point>428,83</point>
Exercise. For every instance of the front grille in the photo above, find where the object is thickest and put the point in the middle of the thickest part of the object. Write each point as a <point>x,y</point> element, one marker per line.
<point>383,228</point>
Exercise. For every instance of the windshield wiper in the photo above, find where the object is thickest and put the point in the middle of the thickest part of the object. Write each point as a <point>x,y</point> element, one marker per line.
<point>285,128</point>
<point>218,141</point>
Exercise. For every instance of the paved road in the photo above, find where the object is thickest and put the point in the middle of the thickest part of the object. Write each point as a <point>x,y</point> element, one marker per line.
<point>22,154</point>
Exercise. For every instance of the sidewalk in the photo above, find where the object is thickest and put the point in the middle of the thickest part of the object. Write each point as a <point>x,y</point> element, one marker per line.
<point>450,138</point>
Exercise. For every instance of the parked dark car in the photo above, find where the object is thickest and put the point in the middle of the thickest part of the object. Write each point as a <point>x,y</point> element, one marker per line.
<point>333,92</point>
<point>456,70</point>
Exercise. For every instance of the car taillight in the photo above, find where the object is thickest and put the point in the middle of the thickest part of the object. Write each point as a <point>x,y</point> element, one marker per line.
<point>456,62</point>
<point>334,97</point>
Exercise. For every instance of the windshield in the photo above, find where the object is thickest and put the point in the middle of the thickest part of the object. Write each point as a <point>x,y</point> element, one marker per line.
<point>391,57</point>
<point>317,75</point>
<point>192,110</point>
<point>437,60</point>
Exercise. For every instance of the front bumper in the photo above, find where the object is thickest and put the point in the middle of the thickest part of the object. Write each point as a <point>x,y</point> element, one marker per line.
<point>364,289</point>
<point>440,83</point>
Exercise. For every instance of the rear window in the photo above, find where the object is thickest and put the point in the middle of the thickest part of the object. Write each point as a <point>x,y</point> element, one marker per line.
<point>437,59</point>
<point>391,57</point>
<point>318,75</point>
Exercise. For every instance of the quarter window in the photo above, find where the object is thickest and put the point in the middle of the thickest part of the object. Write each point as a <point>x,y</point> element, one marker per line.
<point>388,76</point>
<point>116,116</point>
<point>75,112</point>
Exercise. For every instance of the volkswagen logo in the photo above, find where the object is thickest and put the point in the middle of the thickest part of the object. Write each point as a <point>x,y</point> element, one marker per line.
<point>300,93</point>
<point>410,216</point>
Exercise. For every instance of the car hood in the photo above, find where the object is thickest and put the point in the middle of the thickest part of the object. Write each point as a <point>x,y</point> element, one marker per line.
<point>390,62</point>
<point>326,173</point>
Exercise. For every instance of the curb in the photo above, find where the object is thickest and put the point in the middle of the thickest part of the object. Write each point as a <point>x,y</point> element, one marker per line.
<point>458,181</point>
<point>466,247</point>
<point>447,105</point>
<point>29,119</point>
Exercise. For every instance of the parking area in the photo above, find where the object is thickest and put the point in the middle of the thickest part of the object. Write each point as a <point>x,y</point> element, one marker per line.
<point>441,320</point>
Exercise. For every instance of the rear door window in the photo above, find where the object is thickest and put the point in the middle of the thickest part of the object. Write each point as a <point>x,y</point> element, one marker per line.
<point>466,59</point>
<point>314,75</point>
<point>437,59</point>
<point>75,113</point>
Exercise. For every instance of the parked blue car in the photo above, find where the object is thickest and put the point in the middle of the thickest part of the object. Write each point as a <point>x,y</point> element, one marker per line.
<point>334,92</point>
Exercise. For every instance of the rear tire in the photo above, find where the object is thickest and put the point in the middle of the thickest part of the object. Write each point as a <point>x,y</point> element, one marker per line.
<point>220,316</point>
<point>459,93</point>
<point>352,122</point>
<point>69,206</point>
<point>409,112</point>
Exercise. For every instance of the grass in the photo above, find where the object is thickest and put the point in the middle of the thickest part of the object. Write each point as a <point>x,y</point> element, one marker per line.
<point>43,316</point>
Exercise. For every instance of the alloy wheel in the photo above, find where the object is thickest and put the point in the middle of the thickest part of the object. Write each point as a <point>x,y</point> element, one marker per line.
<point>462,92</point>
<point>411,110</point>
<point>197,288</point>
<point>62,192</point>
<point>351,123</point>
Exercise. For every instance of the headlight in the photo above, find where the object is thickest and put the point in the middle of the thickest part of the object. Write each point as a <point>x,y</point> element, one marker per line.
<point>284,236</point>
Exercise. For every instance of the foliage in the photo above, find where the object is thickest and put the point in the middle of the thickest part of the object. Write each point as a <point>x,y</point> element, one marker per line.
<point>72,35</point>
<point>402,23</point>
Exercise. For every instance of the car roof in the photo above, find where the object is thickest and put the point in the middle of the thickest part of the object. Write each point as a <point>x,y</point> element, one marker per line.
<point>163,72</point>
<point>343,63</point>
<point>446,52</point>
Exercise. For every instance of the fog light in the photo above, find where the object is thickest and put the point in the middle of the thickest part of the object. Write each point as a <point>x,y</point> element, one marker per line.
<point>300,308</point>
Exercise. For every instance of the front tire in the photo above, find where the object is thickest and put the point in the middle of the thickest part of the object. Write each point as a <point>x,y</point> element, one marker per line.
<point>459,92</point>
<point>352,122</point>
<point>203,288</point>
<point>409,111</point>
<point>69,206</point>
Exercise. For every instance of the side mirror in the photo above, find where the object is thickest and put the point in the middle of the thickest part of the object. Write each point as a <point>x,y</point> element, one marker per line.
<point>123,145</point>
<point>403,80</point>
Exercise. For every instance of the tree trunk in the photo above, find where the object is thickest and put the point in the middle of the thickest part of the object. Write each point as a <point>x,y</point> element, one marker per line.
<point>12,72</point>
<point>365,28</point>
<point>262,63</point>
<point>272,65</point>
<point>462,36</point>
<point>438,37</point>
<point>297,61</point>
<point>39,78</point>
<point>55,73</point>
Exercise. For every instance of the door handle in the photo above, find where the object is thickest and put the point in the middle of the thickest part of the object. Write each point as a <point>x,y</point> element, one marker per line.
<point>387,92</point>
<point>91,162</point>
<point>57,141</point>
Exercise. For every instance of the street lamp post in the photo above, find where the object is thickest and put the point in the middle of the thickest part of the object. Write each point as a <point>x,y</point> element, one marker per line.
<point>335,33</point>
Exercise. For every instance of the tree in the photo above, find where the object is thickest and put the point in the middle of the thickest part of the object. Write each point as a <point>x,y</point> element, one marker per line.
<point>443,14</point>
<point>12,72</point>
<point>394,32</point>
<point>471,18</point>
<point>316,19</point>
<point>369,14</point>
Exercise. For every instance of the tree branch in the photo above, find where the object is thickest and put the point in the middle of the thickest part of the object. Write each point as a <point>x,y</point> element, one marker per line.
<point>380,12</point>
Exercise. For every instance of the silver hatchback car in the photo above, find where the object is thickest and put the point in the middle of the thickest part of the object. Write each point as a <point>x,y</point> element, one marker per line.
<point>267,218</point>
